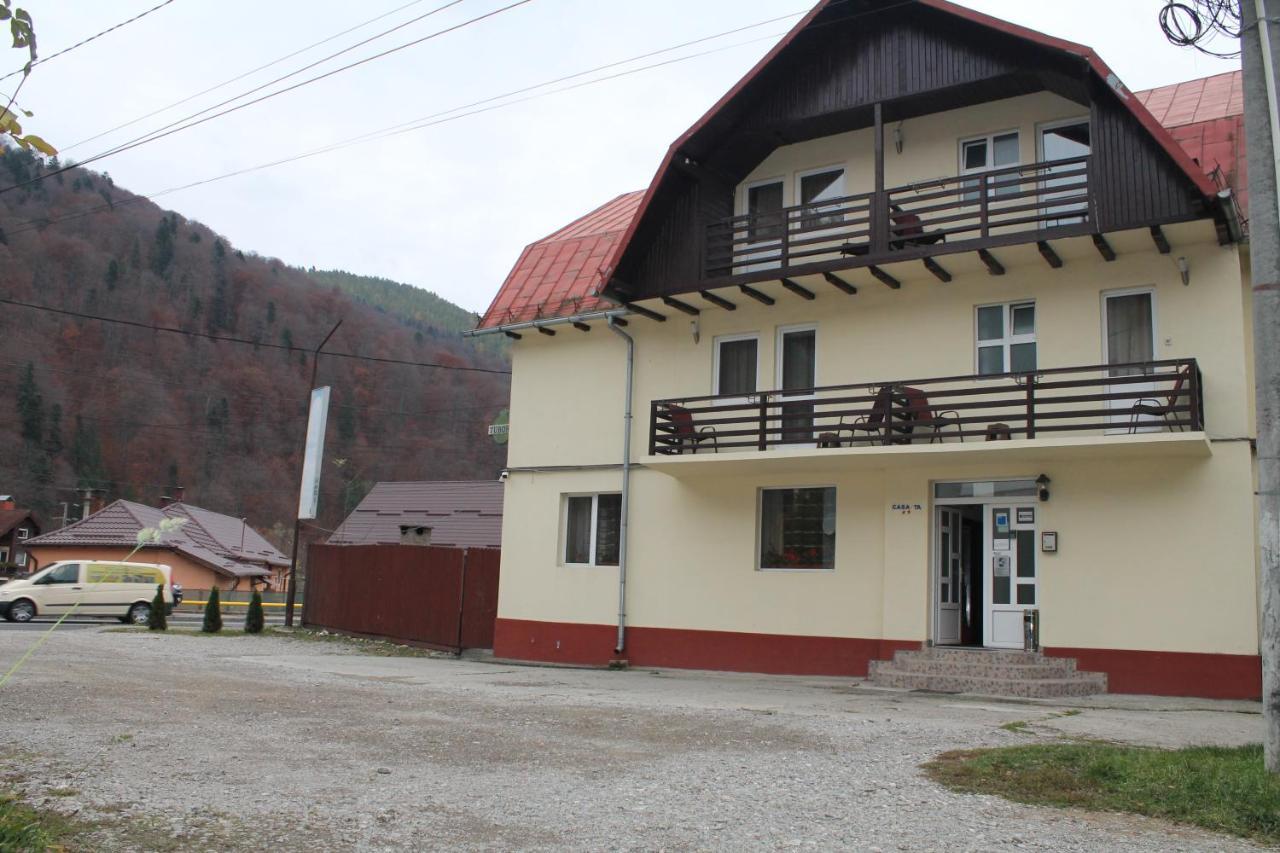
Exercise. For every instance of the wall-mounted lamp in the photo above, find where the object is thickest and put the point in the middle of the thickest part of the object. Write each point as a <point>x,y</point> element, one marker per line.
<point>897,138</point>
<point>1184,269</point>
<point>1042,486</point>
<point>696,329</point>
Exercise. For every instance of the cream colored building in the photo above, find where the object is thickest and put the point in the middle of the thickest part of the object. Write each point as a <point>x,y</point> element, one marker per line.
<point>937,336</point>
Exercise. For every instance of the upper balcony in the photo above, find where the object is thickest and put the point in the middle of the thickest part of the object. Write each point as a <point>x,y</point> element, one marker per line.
<point>959,213</point>
<point>1156,406</point>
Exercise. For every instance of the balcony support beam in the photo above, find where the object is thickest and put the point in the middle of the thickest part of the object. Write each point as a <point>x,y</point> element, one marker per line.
<point>1049,255</point>
<point>798,290</point>
<point>672,302</point>
<point>718,301</point>
<point>1104,248</point>
<point>1161,241</point>
<point>580,326</point>
<point>936,268</point>
<point>515,336</point>
<point>884,278</point>
<point>763,298</point>
<point>543,330</point>
<point>993,265</point>
<point>645,312</point>
<point>839,284</point>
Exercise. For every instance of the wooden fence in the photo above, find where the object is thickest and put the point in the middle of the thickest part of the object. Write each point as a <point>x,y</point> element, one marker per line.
<point>444,598</point>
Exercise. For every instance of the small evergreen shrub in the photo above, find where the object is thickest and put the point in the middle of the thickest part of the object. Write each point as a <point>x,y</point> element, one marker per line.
<point>253,619</point>
<point>157,621</point>
<point>212,613</point>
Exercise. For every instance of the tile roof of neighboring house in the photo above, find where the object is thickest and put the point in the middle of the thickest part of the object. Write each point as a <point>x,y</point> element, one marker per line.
<point>460,513</point>
<point>207,537</point>
<point>559,274</point>
<point>11,518</point>
<point>1204,116</point>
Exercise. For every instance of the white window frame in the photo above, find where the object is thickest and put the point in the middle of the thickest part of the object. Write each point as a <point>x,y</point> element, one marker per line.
<point>798,197</point>
<point>760,527</point>
<point>4,555</point>
<point>1056,123</point>
<point>1007,342</point>
<point>20,559</point>
<point>23,534</point>
<point>564,528</point>
<point>990,139</point>
<point>745,206</point>
<point>1102,318</point>
<point>779,333</point>
<point>715,358</point>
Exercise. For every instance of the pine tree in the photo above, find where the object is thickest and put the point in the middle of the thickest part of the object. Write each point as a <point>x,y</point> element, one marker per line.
<point>86,455</point>
<point>253,618</point>
<point>53,432</point>
<point>30,406</point>
<point>162,251</point>
<point>156,621</point>
<point>212,613</point>
<point>112,277</point>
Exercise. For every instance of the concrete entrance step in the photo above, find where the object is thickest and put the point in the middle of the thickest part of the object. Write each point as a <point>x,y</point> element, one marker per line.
<point>988,671</point>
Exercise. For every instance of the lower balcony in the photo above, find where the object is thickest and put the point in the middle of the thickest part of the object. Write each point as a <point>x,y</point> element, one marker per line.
<point>1126,409</point>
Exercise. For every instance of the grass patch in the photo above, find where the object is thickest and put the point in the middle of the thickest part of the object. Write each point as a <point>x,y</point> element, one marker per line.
<point>1220,789</point>
<point>1020,727</point>
<point>24,828</point>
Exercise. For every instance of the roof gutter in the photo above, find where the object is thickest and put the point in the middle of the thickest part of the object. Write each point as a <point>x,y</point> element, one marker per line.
<point>550,321</point>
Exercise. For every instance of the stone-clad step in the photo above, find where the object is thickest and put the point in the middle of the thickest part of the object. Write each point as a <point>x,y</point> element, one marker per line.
<point>987,671</point>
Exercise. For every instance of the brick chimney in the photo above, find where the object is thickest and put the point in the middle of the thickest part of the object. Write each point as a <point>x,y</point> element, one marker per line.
<point>174,496</point>
<point>7,502</point>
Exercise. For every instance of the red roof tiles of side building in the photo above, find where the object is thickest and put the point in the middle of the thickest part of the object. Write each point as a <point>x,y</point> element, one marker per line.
<point>1204,117</point>
<point>559,274</point>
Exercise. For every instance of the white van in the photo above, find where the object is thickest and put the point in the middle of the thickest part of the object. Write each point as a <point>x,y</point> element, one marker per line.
<point>92,587</point>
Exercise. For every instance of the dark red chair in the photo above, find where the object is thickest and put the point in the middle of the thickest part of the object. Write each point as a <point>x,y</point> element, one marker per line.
<point>1162,407</point>
<point>686,434</point>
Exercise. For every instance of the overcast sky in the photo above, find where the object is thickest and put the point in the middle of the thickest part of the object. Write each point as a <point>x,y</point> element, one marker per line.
<point>447,207</point>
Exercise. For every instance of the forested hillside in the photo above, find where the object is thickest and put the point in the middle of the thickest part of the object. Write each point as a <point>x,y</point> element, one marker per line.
<point>420,309</point>
<point>134,411</point>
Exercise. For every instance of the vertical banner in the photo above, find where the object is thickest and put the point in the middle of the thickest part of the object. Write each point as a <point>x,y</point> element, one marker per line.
<point>309,496</point>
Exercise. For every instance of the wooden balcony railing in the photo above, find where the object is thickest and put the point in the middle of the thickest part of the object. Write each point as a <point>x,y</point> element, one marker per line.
<point>1101,399</point>
<point>961,209</point>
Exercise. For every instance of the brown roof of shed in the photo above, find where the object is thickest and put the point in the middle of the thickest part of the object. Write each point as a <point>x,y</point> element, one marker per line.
<point>460,513</point>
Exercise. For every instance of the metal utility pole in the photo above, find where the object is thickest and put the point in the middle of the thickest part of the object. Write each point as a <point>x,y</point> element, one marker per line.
<point>1259,49</point>
<point>297,522</point>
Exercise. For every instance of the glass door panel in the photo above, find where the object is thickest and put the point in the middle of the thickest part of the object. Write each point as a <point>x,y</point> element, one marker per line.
<point>797,374</point>
<point>1129,335</point>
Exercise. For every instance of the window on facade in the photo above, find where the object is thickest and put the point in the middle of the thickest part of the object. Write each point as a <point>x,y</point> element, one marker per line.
<point>815,189</point>
<point>764,206</point>
<point>997,151</point>
<point>592,527</point>
<point>1006,338</point>
<point>798,528</point>
<point>20,558</point>
<point>736,362</point>
<point>23,533</point>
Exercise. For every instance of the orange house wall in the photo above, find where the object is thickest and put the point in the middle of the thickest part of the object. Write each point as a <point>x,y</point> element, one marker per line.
<point>187,572</point>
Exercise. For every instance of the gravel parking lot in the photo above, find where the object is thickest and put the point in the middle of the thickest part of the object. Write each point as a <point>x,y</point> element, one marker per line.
<point>187,742</point>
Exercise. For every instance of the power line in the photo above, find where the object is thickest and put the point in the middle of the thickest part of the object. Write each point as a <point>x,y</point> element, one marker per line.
<point>228,339</point>
<point>240,77</point>
<point>171,129</point>
<point>85,41</point>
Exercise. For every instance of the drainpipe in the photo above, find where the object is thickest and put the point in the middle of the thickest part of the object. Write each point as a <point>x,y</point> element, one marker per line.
<point>626,490</point>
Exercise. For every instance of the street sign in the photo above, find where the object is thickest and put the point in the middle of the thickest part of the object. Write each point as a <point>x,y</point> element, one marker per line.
<point>500,428</point>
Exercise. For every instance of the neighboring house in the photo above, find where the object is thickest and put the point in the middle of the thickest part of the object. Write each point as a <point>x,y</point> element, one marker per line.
<point>450,514</point>
<point>209,549</point>
<point>17,527</point>
<point>934,324</point>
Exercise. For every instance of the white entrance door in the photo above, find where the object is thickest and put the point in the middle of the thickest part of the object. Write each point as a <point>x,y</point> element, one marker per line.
<point>1129,335</point>
<point>949,576</point>
<point>1009,532</point>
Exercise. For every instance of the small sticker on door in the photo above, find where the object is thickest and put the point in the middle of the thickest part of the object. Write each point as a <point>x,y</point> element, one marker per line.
<point>1002,521</point>
<point>1026,515</point>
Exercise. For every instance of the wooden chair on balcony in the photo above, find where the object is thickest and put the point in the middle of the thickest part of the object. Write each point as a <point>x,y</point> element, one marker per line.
<point>916,409</point>
<point>686,435</point>
<point>908,230</point>
<point>1162,407</point>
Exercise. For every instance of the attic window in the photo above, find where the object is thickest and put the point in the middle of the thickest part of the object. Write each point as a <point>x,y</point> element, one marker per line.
<point>818,187</point>
<point>996,151</point>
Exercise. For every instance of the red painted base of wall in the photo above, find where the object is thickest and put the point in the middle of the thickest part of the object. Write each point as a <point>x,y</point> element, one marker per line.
<point>1152,673</point>
<point>564,642</point>
<point>1172,673</point>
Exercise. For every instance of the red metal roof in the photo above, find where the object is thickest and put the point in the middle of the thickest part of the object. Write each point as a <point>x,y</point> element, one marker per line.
<point>1198,123</point>
<point>559,274</point>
